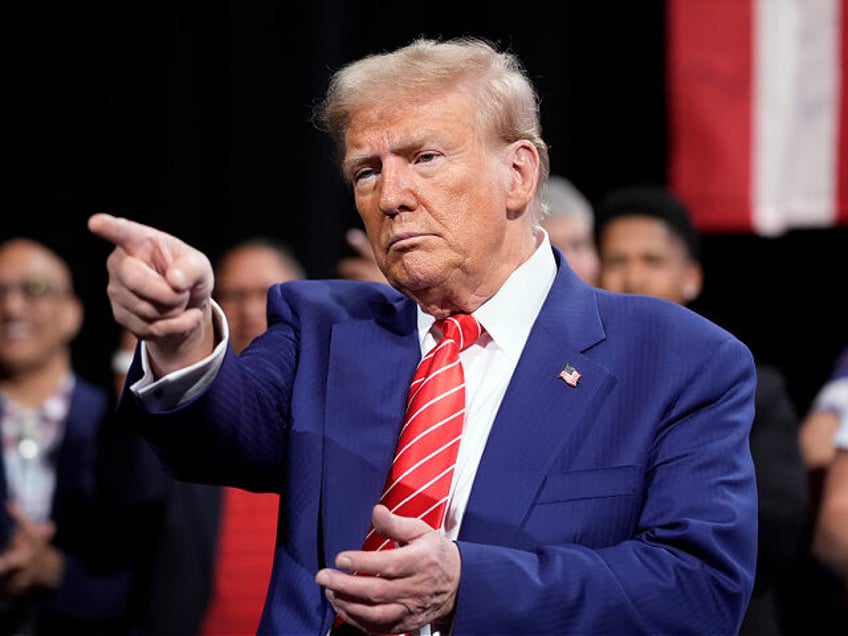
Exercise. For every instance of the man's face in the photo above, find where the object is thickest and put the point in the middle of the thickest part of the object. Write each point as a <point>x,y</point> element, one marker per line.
<point>433,195</point>
<point>241,288</point>
<point>39,315</point>
<point>640,255</point>
<point>572,234</point>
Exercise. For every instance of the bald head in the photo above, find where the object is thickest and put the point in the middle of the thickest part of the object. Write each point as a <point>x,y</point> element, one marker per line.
<point>39,313</point>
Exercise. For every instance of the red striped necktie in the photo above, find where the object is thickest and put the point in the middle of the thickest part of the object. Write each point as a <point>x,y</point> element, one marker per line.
<point>420,477</point>
<point>419,480</point>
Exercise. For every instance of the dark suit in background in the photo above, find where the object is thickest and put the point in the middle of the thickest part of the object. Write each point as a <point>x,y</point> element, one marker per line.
<point>100,567</point>
<point>783,498</point>
<point>172,527</point>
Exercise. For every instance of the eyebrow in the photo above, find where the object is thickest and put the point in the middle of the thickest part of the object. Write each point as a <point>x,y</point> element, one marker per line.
<point>418,140</point>
<point>349,166</point>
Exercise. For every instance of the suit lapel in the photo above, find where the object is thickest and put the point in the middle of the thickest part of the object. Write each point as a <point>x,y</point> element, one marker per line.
<point>542,418</point>
<point>371,363</point>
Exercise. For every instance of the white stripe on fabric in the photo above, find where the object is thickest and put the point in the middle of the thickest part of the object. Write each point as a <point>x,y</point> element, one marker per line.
<point>795,114</point>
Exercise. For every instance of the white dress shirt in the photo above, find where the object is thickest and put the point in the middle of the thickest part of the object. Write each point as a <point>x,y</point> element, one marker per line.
<point>30,438</point>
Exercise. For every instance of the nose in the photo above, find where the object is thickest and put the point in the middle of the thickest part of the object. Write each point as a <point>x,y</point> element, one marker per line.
<point>634,279</point>
<point>396,187</point>
<point>12,296</point>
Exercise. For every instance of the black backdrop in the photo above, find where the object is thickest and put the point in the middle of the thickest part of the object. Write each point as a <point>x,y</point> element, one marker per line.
<point>196,119</point>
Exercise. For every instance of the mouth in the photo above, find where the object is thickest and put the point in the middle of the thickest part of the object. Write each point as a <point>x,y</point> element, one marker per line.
<point>404,240</point>
<point>15,330</point>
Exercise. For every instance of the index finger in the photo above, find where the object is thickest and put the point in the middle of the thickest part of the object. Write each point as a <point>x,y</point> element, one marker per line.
<point>119,231</point>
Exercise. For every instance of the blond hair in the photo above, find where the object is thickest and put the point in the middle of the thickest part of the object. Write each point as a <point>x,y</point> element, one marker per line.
<point>507,102</point>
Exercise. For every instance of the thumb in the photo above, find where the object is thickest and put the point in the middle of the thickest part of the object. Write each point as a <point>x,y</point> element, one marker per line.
<point>401,530</point>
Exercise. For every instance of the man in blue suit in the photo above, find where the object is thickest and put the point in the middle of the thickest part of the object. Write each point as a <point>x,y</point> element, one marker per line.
<point>604,482</point>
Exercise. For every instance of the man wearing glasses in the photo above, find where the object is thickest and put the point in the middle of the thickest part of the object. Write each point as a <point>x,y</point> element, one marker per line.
<point>58,571</point>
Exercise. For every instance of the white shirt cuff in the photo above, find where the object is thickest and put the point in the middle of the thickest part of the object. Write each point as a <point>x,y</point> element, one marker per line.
<point>178,387</point>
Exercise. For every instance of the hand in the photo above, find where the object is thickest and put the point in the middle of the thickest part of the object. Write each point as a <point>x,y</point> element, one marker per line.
<point>397,590</point>
<point>363,266</point>
<point>160,289</point>
<point>29,559</point>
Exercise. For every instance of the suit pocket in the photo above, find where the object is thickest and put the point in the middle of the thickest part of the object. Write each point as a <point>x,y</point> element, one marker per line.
<point>595,508</point>
<point>614,481</point>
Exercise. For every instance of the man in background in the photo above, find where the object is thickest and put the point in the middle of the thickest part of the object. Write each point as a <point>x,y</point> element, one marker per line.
<point>63,566</point>
<point>248,521</point>
<point>242,277</point>
<point>570,223</point>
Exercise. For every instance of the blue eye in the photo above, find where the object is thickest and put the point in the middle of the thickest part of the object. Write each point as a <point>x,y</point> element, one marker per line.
<point>363,174</point>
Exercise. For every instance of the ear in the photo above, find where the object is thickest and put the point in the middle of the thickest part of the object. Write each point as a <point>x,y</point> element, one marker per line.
<point>693,282</point>
<point>523,162</point>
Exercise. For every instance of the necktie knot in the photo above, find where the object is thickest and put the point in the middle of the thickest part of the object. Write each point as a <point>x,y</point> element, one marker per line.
<point>461,328</point>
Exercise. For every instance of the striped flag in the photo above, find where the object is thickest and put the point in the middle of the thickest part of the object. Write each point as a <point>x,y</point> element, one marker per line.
<point>758,112</point>
<point>570,375</point>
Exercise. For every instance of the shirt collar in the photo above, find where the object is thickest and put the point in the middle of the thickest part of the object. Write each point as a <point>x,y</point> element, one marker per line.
<point>509,315</point>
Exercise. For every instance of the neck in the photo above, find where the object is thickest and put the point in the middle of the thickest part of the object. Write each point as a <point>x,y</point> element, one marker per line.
<point>31,387</point>
<point>463,294</point>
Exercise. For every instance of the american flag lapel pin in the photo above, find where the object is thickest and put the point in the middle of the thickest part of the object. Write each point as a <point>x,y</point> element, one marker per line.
<point>569,375</point>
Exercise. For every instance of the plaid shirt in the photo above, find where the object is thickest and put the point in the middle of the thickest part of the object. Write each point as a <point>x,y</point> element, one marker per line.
<point>30,437</point>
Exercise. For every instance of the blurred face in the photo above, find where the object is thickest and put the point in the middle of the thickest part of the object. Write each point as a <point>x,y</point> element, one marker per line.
<point>572,234</point>
<point>640,255</point>
<point>241,287</point>
<point>39,314</point>
<point>444,210</point>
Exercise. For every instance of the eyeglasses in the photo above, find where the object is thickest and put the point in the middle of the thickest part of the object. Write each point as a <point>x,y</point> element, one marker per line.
<point>32,290</point>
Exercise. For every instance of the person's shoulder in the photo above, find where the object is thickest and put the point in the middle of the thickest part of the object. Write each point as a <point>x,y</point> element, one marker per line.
<point>650,312</point>
<point>339,289</point>
<point>771,384</point>
<point>91,403</point>
<point>89,390</point>
<point>661,329</point>
<point>840,367</point>
<point>339,298</point>
<point>768,374</point>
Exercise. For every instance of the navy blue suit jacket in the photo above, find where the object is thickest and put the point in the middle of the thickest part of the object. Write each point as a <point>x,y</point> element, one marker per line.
<point>624,505</point>
<point>94,595</point>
